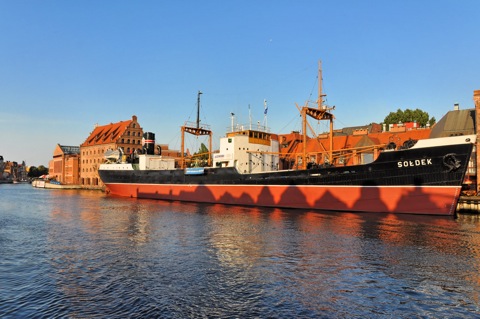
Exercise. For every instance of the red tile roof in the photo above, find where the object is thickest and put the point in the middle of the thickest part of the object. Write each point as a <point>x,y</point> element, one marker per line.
<point>350,141</point>
<point>107,134</point>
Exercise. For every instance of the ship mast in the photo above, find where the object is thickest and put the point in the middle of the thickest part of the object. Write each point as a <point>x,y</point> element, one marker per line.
<point>320,99</point>
<point>196,131</point>
<point>198,109</point>
<point>320,84</point>
<point>319,113</point>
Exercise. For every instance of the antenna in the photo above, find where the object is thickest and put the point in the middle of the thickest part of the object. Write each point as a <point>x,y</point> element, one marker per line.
<point>250,116</point>
<point>265,113</point>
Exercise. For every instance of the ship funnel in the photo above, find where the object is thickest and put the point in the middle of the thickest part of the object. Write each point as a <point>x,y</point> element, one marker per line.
<point>149,143</point>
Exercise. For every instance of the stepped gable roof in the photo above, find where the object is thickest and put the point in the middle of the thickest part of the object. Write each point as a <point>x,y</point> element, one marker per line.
<point>456,122</point>
<point>107,134</point>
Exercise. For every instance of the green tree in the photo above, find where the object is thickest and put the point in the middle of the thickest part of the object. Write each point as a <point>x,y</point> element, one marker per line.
<point>43,170</point>
<point>202,152</point>
<point>201,156</point>
<point>33,172</point>
<point>421,117</point>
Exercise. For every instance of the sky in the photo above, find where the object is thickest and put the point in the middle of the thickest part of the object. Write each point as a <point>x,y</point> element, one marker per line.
<point>66,66</point>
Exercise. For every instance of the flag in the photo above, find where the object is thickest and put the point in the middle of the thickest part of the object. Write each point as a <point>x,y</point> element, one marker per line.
<point>266,107</point>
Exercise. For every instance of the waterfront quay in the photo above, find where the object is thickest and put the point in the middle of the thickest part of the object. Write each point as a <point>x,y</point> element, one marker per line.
<point>469,205</point>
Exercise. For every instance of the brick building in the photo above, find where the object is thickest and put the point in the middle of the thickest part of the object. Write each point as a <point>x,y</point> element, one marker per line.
<point>64,167</point>
<point>124,134</point>
<point>476,100</point>
<point>351,146</point>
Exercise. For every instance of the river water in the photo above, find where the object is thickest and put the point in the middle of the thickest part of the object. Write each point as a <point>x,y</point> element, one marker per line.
<point>82,254</point>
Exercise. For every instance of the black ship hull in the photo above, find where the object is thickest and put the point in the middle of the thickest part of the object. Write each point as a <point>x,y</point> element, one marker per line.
<point>423,180</point>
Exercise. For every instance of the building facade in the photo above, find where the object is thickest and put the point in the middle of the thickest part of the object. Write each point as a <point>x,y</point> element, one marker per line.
<point>126,135</point>
<point>476,100</point>
<point>64,167</point>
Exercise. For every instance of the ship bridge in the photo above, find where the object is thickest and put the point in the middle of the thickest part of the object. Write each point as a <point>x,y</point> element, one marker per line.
<point>249,148</point>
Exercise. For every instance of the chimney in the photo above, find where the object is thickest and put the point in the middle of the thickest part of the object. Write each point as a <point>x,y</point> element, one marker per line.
<point>456,107</point>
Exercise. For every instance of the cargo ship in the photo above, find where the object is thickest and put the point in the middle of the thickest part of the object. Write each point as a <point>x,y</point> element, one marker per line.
<point>423,177</point>
<point>419,177</point>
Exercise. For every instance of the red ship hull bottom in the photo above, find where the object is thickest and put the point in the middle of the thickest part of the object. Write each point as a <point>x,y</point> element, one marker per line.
<point>429,200</point>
